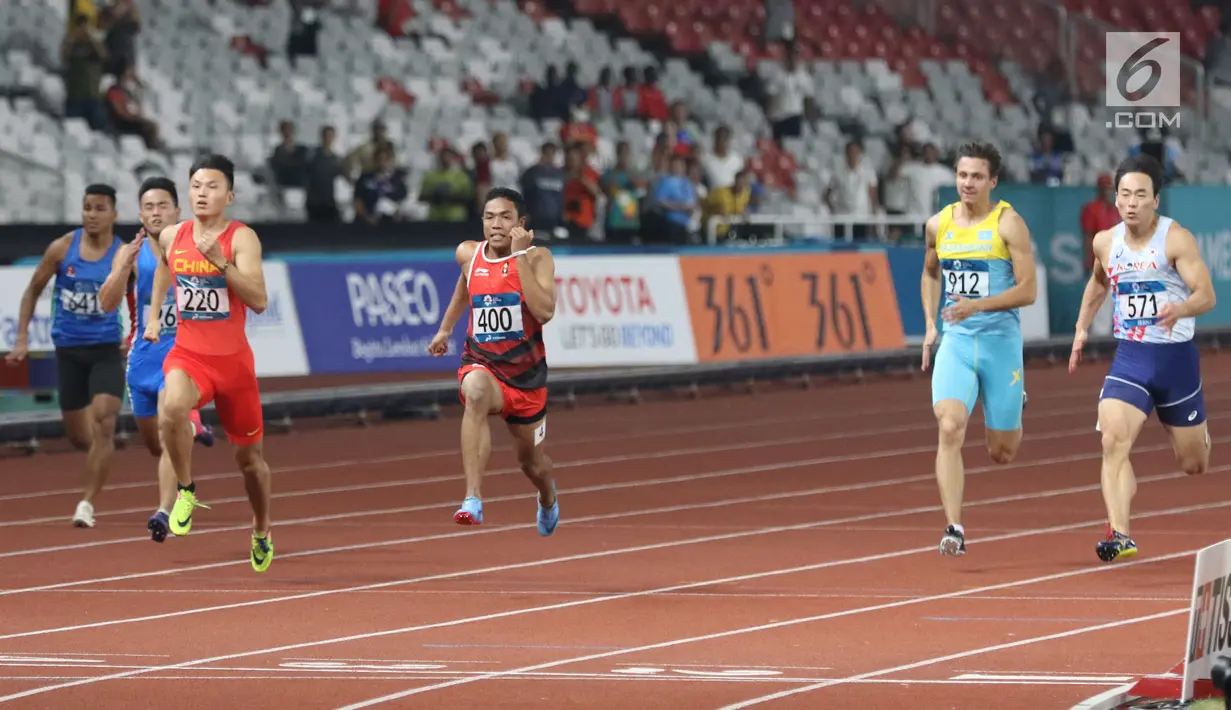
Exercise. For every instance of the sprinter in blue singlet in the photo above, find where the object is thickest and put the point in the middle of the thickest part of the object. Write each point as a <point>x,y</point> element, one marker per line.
<point>89,361</point>
<point>980,258</point>
<point>132,279</point>
<point>1153,269</point>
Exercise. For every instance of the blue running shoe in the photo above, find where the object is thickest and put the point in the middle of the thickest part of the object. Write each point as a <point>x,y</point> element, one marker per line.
<point>159,525</point>
<point>205,435</point>
<point>471,512</point>
<point>548,518</point>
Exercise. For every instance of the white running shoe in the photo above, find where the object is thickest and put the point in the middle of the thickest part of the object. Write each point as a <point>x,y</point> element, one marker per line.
<point>84,517</point>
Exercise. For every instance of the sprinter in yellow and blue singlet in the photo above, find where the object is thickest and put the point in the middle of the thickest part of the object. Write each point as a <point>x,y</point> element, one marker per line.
<point>978,271</point>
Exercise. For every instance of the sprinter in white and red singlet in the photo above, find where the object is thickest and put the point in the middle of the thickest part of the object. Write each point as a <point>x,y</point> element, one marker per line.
<point>510,288</point>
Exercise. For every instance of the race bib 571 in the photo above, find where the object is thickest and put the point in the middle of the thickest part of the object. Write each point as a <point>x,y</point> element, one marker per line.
<point>1138,302</point>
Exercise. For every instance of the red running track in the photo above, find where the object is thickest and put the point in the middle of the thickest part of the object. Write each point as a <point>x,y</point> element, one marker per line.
<point>776,548</point>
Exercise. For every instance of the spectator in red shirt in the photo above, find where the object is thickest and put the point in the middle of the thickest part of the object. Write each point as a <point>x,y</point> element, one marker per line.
<point>581,193</point>
<point>1097,215</point>
<point>651,104</point>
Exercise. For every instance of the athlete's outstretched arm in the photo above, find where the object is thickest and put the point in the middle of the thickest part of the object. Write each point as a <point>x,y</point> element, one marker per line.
<point>53,255</point>
<point>1016,237</point>
<point>246,276</point>
<point>111,293</point>
<point>1096,291</point>
<point>162,281</point>
<point>1183,250</point>
<point>540,290</point>
<point>929,287</point>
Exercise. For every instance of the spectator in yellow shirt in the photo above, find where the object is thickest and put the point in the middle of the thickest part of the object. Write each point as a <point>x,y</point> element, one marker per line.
<point>727,202</point>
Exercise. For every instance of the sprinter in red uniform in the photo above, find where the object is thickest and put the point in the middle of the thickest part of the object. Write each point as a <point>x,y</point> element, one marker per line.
<point>510,287</point>
<point>215,266</point>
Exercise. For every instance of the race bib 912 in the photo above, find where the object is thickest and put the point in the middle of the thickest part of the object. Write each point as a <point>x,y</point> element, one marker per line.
<point>966,278</point>
<point>496,317</point>
<point>202,297</point>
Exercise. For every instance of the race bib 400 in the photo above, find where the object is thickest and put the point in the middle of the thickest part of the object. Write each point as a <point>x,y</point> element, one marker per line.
<point>202,297</point>
<point>496,317</point>
<point>966,278</point>
<point>1138,302</point>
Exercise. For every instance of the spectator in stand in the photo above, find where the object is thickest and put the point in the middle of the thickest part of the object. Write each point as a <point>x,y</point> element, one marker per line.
<point>546,101</point>
<point>1047,163</point>
<point>363,158</point>
<point>579,130</point>
<point>787,91</point>
<point>697,178</point>
<point>542,186</point>
<point>447,189</point>
<point>687,142</point>
<point>505,172</point>
<point>624,185</point>
<point>324,169</point>
<point>289,159</point>
<point>305,25</point>
<point>122,23</point>
<point>379,192</point>
<point>581,193</point>
<point>676,199</point>
<point>626,97</point>
<point>852,193</point>
<point>601,101</point>
<point>926,177</point>
<point>124,101</point>
<point>721,164</point>
<point>83,58</point>
<point>1155,143</point>
<point>480,177</point>
<point>896,192</point>
<point>651,104</point>
<point>1096,215</point>
<point>729,201</point>
<point>572,93</point>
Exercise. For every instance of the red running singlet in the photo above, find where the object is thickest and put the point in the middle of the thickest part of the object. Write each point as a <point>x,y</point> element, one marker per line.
<point>503,336</point>
<point>211,316</point>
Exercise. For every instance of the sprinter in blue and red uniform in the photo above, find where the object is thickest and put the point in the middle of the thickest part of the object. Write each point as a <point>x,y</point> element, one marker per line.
<point>132,276</point>
<point>1153,268</point>
<point>511,289</point>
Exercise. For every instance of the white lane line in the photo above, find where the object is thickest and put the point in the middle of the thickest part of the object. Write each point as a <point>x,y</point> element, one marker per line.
<point>588,440</point>
<point>485,530</point>
<point>956,656</point>
<point>766,468</point>
<point>568,558</point>
<point>581,463</point>
<point>596,438</point>
<point>672,588</point>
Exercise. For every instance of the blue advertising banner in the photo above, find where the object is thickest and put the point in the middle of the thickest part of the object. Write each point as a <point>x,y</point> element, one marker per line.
<point>1205,210</point>
<point>367,315</point>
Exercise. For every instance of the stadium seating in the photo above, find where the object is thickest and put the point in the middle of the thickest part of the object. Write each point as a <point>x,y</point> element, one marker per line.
<point>216,76</point>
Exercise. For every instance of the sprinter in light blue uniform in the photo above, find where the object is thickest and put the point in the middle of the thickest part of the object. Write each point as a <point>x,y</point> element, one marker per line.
<point>980,258</point>
<point>87,339</point>
<point>159,207</point>
<point>1153,269</point>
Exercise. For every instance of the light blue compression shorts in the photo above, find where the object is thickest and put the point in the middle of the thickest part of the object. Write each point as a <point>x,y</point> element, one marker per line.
<point>986,367</point>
